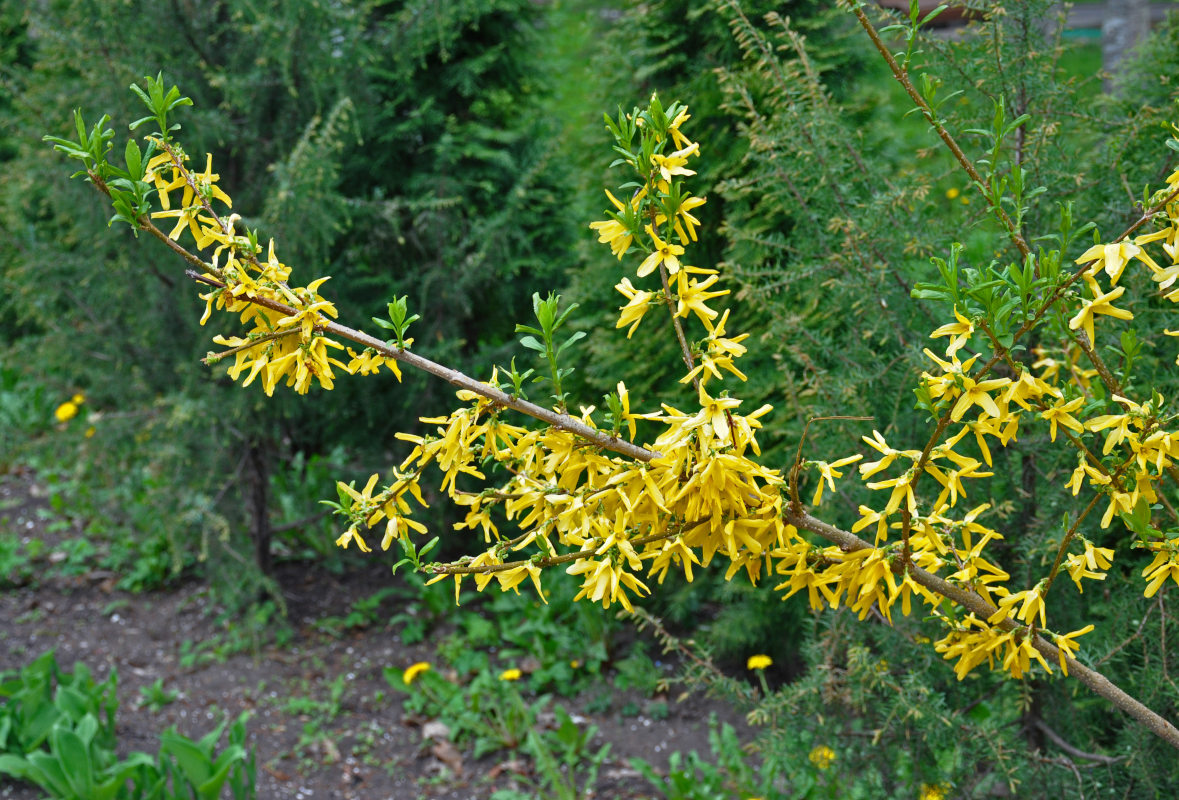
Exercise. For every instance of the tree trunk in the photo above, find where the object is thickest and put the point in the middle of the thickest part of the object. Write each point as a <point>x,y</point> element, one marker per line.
<point>258,480</point>
<point>1126,23</point>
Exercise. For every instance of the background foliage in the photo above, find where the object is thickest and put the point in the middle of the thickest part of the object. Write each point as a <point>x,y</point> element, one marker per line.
<point>453,152</point>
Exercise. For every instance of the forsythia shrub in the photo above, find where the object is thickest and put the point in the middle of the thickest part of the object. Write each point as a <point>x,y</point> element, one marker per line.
<point>622,496</point>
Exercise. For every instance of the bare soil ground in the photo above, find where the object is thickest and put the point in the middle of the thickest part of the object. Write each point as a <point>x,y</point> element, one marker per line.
<point>369,749</point>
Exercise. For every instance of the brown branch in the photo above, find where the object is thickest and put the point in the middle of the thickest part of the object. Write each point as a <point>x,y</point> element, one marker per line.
<point>1065,542</point>
<point>974,603</point>
<point>214,358</point>
<point>902,78</point>
<point>455,378</point>
<point>1147,216</point>
<point>551,561</point>
<point>1060,742</point>
<point>146,224</point>
<point>301,523</point>
<point>1107,377</point>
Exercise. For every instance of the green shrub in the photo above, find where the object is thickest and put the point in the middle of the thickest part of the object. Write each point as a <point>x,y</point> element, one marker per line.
<point>57,730</point>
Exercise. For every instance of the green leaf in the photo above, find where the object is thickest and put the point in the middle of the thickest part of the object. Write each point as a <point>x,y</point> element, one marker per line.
<point>86,729</point>
<point>17,767</point>
<point>76,761</point>
<point>532,344</point>
<point>565,315</point>
<point>49,775</point>
<point>193,762</point>
<point>929,291</point>
<point>142,96</point>
<point>134,159</point>
<point>211,789</point>
<point>207,742</point>
<point>576,337</point>
<point>428,546</point>
<point>37,726</point>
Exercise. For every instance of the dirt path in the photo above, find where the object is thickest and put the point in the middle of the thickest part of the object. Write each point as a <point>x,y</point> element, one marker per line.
<point>309,743</point>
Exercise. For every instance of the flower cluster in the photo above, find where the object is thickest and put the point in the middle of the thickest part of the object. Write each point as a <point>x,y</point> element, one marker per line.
<point>285,340</point>
<point>1123,454</point>
<point>614,522</point>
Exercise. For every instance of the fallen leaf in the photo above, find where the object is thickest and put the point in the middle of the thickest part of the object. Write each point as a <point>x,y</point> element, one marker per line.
<point>436,730</point>
<point>449,755</point>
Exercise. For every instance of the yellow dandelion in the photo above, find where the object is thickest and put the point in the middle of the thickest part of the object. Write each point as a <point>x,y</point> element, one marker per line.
<point>510,675</point>
<point>822,756</point>
<point>66,411</point>
<point>930,791</point>
<point>413,671</point>
<point>952,193</point>
<point>758,662</point>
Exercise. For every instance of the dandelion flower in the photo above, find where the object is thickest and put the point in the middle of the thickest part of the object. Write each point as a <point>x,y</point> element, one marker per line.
<point>822,756</point>
<point>930,791</point>
<point>413,671</point>
<point>510,675</point>
<point>758,662</point>
<point>66,411</point>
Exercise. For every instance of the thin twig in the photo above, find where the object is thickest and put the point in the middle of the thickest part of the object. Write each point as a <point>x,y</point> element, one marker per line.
<point>796,505</point>
<point>551,561</point>
<point>902,78</point>
<point>1064,543</point>
<point>685,351</point>
<point>1060,742</point>
<point>214,358</point>
<point>1122,645</point>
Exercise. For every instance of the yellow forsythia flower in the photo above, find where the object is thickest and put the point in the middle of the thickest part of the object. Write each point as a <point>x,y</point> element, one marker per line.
<point>758,662</point>
<point>664,253</point>
<point>1165,565</point>
<point>413,671</point>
